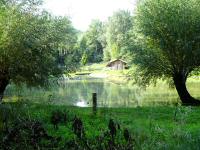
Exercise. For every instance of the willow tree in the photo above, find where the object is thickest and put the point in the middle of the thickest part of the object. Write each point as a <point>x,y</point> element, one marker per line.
<point>29,41</point>
<point>168,38</point>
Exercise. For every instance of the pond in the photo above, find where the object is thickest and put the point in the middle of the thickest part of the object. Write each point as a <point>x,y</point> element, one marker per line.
<point>79,91</point>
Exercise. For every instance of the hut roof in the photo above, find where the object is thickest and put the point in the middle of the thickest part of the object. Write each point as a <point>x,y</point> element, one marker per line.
<point>112,61</point>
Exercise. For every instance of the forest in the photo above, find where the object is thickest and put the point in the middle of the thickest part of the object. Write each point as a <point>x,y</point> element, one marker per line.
<point>129,82</point>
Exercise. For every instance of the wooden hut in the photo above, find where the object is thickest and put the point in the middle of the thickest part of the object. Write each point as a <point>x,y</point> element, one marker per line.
<point>117,64</point>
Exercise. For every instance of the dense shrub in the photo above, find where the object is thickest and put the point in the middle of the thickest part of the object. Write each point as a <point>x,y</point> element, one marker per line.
<point>27,134</point>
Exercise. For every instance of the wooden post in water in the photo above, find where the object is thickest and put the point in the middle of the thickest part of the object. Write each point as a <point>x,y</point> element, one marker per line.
<point>94,104</point>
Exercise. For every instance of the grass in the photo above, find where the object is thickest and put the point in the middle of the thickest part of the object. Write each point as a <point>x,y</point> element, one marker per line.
<point>156,127</point>
<point>98,69</point>
<point>151,127</point>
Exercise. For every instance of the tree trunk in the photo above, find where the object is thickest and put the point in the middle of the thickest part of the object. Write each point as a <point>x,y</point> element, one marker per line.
<point>3,84</point>
<point>180,84</point>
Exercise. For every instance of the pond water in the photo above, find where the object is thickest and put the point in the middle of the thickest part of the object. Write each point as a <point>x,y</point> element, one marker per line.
<point>108,94</point>
<point>79,91</point>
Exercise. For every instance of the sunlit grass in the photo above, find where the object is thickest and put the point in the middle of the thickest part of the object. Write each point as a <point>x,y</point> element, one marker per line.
<point>151,127</point>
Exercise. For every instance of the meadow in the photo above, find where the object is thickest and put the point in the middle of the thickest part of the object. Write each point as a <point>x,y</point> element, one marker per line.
<point>156,120</point>
<point>53,74</point>
<point>174,127</point>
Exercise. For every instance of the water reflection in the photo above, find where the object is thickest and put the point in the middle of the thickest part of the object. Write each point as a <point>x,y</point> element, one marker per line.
<point>108,94</point>
<point>81,103</point>
<point>78,92</point>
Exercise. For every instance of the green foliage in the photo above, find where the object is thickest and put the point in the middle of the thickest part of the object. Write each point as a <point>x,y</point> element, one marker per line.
<point>167,37</point>
<point>106,54</point>
<point>109,40</point>
<point>118,34</point>
<point>84,59</point>
<point>69,55</point>
<point>149,127</point>
<point>93,41</point>
<point>115,52</point>
<point>29,43</point>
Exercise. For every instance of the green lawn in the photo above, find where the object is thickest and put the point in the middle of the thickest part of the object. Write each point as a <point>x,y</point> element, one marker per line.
<point>150,127</point>
<point>118,76</point>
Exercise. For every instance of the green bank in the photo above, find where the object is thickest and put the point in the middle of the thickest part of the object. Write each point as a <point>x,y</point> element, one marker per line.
<point>174,127</point>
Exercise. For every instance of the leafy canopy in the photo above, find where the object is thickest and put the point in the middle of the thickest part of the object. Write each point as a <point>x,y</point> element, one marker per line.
<point>167,37</point>
<point>29,42</point>
<point>93,42</point>
<point>118,34</point>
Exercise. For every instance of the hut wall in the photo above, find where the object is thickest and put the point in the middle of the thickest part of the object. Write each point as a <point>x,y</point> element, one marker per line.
<point>117,65</point>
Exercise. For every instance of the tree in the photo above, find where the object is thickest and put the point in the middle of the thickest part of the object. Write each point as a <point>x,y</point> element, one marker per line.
<point>29,43</point>
<point>69,55</point>
<point>84,59</point>
<point>168,42</point>
<point>95,42</point>
<point>118,34</point>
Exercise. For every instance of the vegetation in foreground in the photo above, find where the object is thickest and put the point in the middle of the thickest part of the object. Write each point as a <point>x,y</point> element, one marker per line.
<point>33,126</point>
<point>169,44</point>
